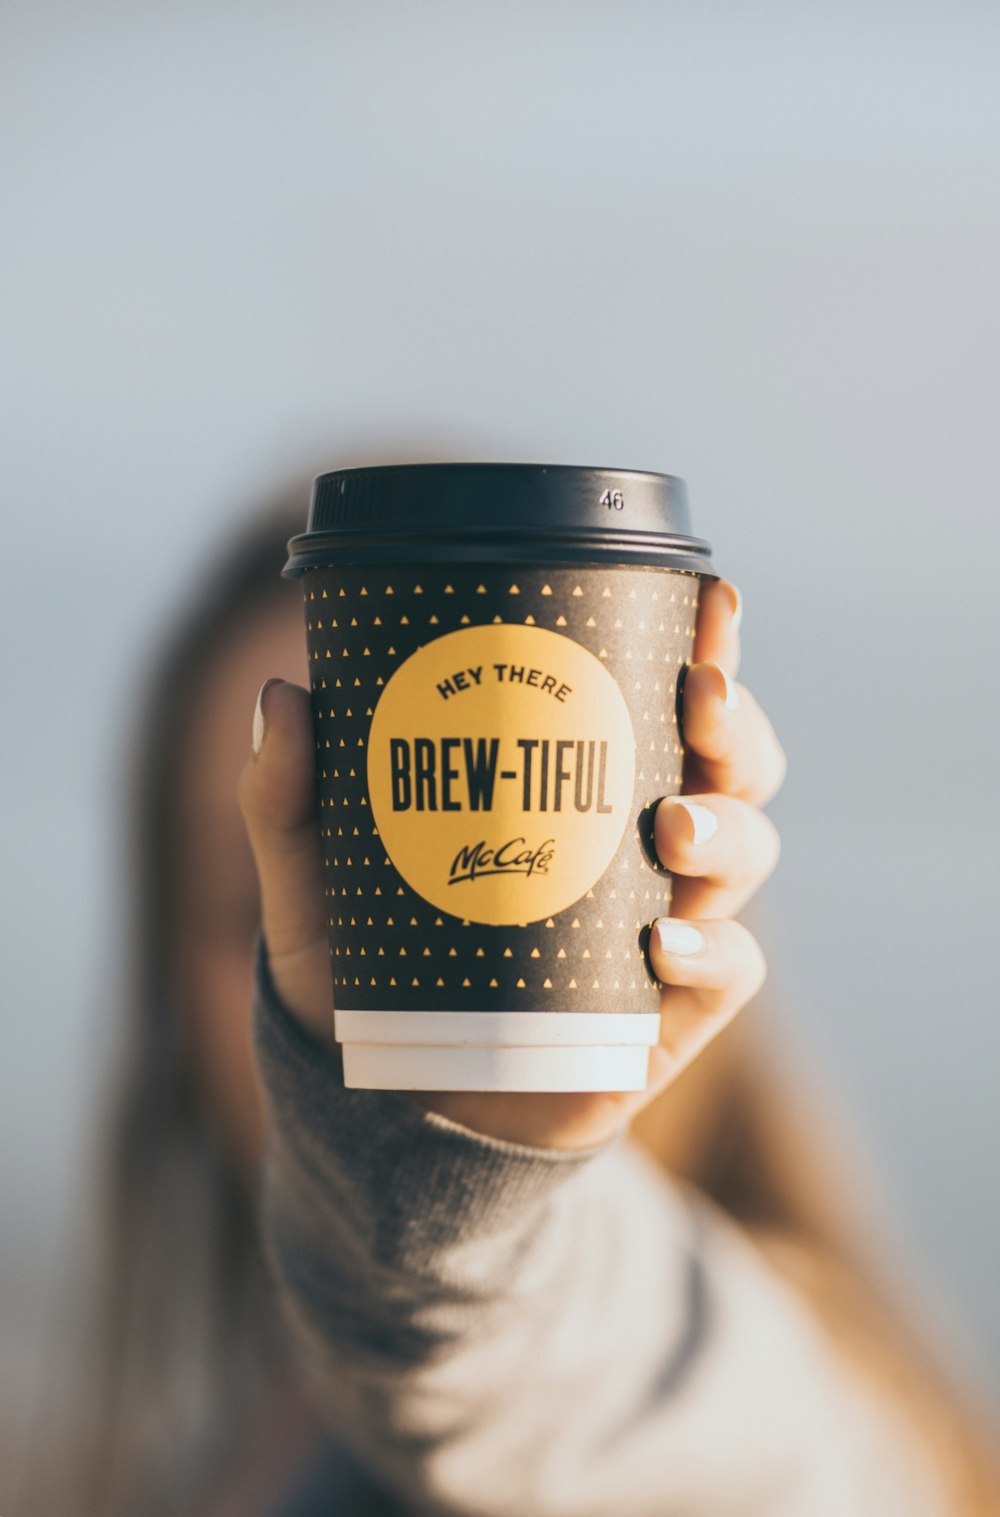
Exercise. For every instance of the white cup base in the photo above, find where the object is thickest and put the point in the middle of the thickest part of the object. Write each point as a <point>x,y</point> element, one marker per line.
<point>496,1050</point>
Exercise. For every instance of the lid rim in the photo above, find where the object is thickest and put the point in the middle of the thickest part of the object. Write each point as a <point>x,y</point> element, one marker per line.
<point>484,465</point>
<point>446,547</point>
<point>327,536</point>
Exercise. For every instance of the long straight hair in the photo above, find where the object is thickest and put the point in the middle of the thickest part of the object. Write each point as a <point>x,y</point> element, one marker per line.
<point>183,1339</point>
<point>177,1338</point>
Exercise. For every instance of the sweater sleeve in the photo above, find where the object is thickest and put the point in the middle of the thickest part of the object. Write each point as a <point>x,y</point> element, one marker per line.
<point>504,1331</point>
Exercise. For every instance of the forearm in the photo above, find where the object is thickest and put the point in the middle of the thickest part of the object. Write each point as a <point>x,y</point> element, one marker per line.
<point>499,1330</point>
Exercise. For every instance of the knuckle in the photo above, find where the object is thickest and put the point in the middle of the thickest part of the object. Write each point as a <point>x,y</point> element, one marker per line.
<point>758,970</point>
<point>759,853</point>
<point>751,963</point>
<point>780,767</point>
<point>772,845</point>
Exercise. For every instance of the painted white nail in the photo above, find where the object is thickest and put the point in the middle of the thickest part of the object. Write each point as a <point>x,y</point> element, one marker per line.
<point>679,937</point>
<point>703,820</point>
<point>732,700</point>
<point>257,735</point>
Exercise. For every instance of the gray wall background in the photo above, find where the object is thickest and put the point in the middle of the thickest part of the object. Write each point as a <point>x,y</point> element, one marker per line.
<point>753,245</point>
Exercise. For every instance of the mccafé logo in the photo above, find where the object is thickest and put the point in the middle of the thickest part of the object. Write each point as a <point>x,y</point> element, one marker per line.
<point>499,726</point>
<point>512,857</point>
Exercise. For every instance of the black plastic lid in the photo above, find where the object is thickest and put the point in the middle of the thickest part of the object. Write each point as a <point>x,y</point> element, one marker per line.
<point>501,513</point>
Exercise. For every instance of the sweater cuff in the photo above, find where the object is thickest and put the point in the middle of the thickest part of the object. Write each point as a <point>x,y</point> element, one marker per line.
<point>386,1146</point>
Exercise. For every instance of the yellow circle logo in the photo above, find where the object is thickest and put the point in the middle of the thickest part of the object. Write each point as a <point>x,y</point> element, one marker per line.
<point>501,768</point>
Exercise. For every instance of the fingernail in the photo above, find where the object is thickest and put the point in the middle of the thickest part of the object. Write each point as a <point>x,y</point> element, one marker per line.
<point>704,822</point>
<point>679,937</point>
<point>737,607</point>
<point>732,701</point>
<point>259,722</point>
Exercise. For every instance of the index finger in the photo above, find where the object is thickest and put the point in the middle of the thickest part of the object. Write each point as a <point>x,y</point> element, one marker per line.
<point>729,742</point>
<point>716,638</point>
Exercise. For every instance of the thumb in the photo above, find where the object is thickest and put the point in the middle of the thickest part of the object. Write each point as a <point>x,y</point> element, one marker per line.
<point>277,797</point>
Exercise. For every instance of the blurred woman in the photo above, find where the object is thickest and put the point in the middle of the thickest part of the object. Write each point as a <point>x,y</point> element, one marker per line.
<point>195,1401</point>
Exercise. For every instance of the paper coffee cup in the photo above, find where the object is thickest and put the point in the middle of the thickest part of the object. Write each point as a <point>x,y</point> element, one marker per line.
<point>496,655</point>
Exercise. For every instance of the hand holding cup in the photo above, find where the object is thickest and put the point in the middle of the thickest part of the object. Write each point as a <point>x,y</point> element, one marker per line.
<point>714,838</point>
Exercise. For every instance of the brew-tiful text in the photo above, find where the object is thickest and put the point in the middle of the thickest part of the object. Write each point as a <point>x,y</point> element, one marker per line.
<point>462,773</point>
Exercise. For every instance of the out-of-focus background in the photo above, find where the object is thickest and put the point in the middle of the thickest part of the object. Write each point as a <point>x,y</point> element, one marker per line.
<point>756,246</point>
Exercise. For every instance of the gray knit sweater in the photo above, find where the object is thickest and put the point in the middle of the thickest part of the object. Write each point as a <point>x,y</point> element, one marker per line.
<point>500,1331</point>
